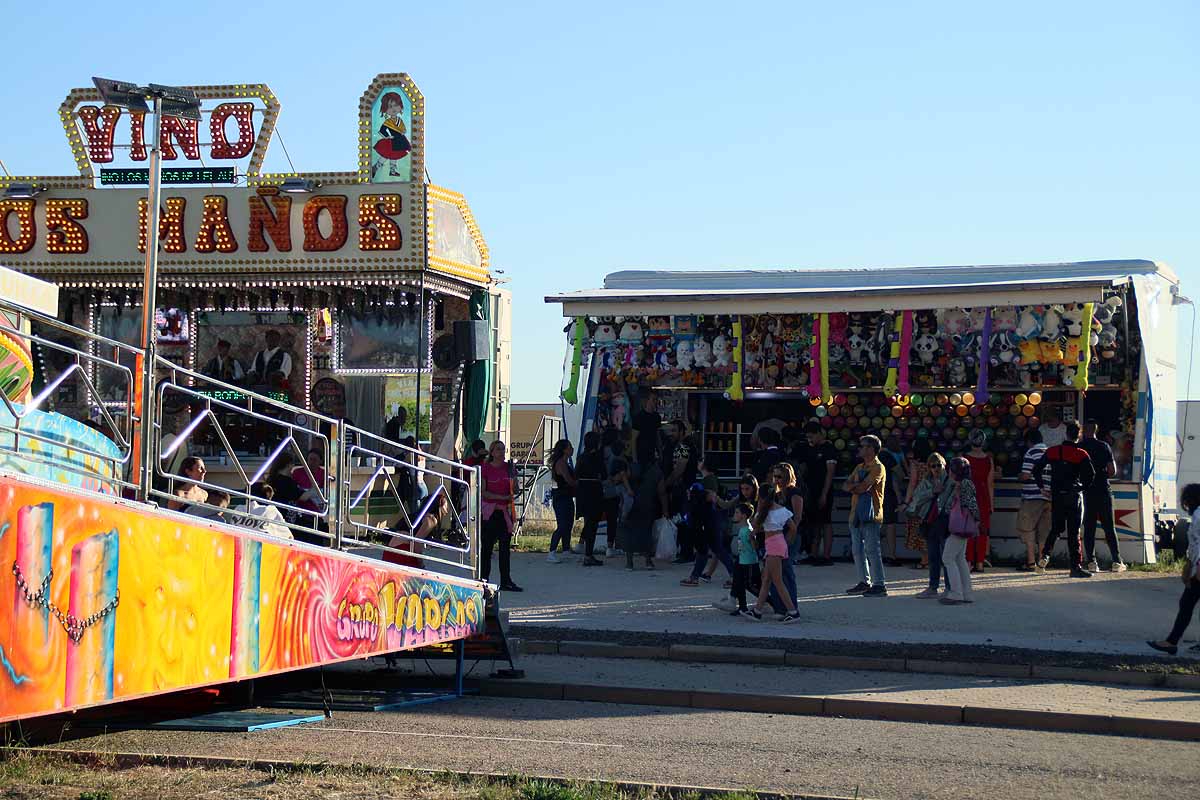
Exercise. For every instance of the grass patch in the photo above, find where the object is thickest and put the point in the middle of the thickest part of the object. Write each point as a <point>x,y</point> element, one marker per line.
<point>27,774</point>
<point>535,536</point>
<point>1166,563</point>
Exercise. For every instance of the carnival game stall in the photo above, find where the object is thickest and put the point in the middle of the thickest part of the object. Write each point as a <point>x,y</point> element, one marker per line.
<point>905,354</point>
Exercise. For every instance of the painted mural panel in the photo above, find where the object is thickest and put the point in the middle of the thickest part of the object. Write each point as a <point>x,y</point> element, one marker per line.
<point>391,124</point>
<point>100,602</point>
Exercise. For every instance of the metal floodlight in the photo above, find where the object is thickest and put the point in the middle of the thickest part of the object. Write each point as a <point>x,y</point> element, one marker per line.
<point>297,185</point>
<point>21,191</point>
<point>177,101</point>
<point>122,94</point>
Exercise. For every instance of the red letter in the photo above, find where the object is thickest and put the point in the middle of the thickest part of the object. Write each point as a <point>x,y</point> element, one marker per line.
<point>314,242</point>
<point>244,114</point>
<point>183,129</point>
<point>215,232</point>
<point>26,227</point>
<point>278,223</point>
<point>99,124</point>
<point>377,229</point>
<point>170,225</point>
<point>137,136</point>
<point>64,234</point>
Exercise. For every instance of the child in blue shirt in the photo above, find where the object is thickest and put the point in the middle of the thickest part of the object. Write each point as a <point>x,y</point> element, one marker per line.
<point>747,555</point>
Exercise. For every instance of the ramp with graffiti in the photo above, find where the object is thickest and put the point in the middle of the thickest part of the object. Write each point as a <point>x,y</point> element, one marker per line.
<point>103,600</point>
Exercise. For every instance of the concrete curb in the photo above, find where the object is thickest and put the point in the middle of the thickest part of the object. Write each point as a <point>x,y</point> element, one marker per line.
<point>754,655</point>
<point>804,705</point>
<point>127,760</point>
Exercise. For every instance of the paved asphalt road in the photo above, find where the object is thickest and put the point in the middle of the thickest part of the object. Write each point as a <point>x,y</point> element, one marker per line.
<point>727,749</point>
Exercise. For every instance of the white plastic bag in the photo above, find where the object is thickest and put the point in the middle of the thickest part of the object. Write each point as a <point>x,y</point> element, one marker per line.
<point>664,539</point>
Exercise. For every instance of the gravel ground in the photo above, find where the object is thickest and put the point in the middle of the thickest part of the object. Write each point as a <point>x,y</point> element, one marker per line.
<point>726,749</point>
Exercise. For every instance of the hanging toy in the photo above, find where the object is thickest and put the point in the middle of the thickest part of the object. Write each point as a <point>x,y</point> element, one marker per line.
<point>893,363</point>
<point>985,358</point>
<point>826,395</point>
<point>906,337</point>
<point>735,385</point>
<point>1085,348</point>
<point>570,395</point>
<point>814,383</point>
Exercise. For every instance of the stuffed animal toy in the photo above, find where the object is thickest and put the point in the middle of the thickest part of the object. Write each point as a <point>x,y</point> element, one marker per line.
<point>1029,324</point>
<point>722,351</point>
<point>791,368</point>
<point>1004,319</point>
<point>1003,348</point>
<point>1072,320</point>
<point>1052,323</point>
<point>662,351</point>
<point>658,327</point>
<point>685,327</point>
<point>608,357</point>
<point>1071,353</point>
<point>956,371</point>
<point>1108,342</point>
<point>702,353</point>
<point>856,347</point>
<point>683,355</point>
<point>966,346</point>
<point>631,331</point>
<point>1103,313</point>
<point>605,333</point>
<point>1051,352</point>
<point>977,316</point>
<point>629,357</point>
<point>1068,376</point>
<point>837,353</point>
<point>925,346</point>
<point>1030,352</point>
<point>768,327</point>
<point>838,324</point>
<point>954,322</point>
<point>619,403</point>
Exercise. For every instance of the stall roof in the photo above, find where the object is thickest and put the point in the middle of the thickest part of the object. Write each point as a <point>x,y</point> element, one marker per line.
<point>784,291</point>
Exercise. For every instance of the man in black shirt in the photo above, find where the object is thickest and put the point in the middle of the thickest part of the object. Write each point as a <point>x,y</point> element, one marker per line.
<point>679,463</point>
<point>1071,474</point>
<point>1098,500</point>
<point>819,467</point>
<point>770,455</point>
<point>646,423</point>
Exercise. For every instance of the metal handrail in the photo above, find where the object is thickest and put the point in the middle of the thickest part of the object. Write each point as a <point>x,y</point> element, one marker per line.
<point>84,369</point>
<point>341,446</point>
<point>527,489</point>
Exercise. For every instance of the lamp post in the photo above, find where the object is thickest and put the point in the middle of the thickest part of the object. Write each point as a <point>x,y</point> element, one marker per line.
<point>176,102</point>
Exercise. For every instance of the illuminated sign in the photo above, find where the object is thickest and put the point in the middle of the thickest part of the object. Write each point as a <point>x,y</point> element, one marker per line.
<point>135,176</point>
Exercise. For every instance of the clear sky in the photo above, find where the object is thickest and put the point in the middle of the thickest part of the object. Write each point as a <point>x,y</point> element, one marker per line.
<point>592,137</point>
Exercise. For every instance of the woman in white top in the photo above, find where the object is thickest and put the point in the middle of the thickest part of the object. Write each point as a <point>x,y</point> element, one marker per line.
<point>1190,501</point>
<point>770,523</point>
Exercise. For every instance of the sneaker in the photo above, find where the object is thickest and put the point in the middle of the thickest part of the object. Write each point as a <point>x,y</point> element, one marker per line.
<point>739,612</point>
<point>1027,568</point>
<point>876,591</point>
<point>706,578</point>
<point>553,559</point>
<point>752,615</point>
<point>1119,566</point>
<point>792,617</point>
<point>1079,572</point>
<point>1043,562</point>
<point>726,604</point>
<point>858,588</point>
<point>689,582</point>
<point>949,601</point>
<point>510,587</point>
<point>1093,566</point>
<point>1164,647</point>
<point>593,562</point>
<point>927,594</point>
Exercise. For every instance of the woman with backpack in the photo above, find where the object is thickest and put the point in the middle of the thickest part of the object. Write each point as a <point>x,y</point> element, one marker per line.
<point>959,503</point>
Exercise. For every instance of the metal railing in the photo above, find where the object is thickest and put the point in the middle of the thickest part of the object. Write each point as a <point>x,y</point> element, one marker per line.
<point>334,509</point>
<point>77,369</point>
<point>549,430</point>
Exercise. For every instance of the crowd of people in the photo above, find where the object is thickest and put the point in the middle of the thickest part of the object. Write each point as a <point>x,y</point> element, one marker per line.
<point>779,516</point>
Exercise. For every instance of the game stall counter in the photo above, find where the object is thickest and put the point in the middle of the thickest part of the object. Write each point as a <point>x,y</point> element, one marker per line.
<point>920,352</point>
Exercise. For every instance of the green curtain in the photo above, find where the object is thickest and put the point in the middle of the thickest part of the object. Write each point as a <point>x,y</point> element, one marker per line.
<point>477,393</point>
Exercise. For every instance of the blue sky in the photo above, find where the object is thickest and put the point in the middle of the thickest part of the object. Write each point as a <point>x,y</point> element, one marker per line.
<point>705,135</point>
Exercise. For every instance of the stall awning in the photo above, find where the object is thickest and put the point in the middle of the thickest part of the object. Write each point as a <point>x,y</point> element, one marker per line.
<point>815,290</point>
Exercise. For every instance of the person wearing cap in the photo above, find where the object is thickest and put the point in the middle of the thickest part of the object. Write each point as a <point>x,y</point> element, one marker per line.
<point>1098,500</point>
<point>1071,474</point>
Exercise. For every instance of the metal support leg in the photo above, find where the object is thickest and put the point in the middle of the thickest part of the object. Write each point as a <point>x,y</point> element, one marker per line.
<point>460,649</point>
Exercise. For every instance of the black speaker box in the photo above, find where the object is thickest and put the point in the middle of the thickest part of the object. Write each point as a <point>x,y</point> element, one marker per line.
<point>471,340</point>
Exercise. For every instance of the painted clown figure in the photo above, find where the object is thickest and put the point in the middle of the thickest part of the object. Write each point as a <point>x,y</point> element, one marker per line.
<point>393,144</point>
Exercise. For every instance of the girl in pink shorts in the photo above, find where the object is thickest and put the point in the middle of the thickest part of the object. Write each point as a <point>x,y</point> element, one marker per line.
<point>772,520</point>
